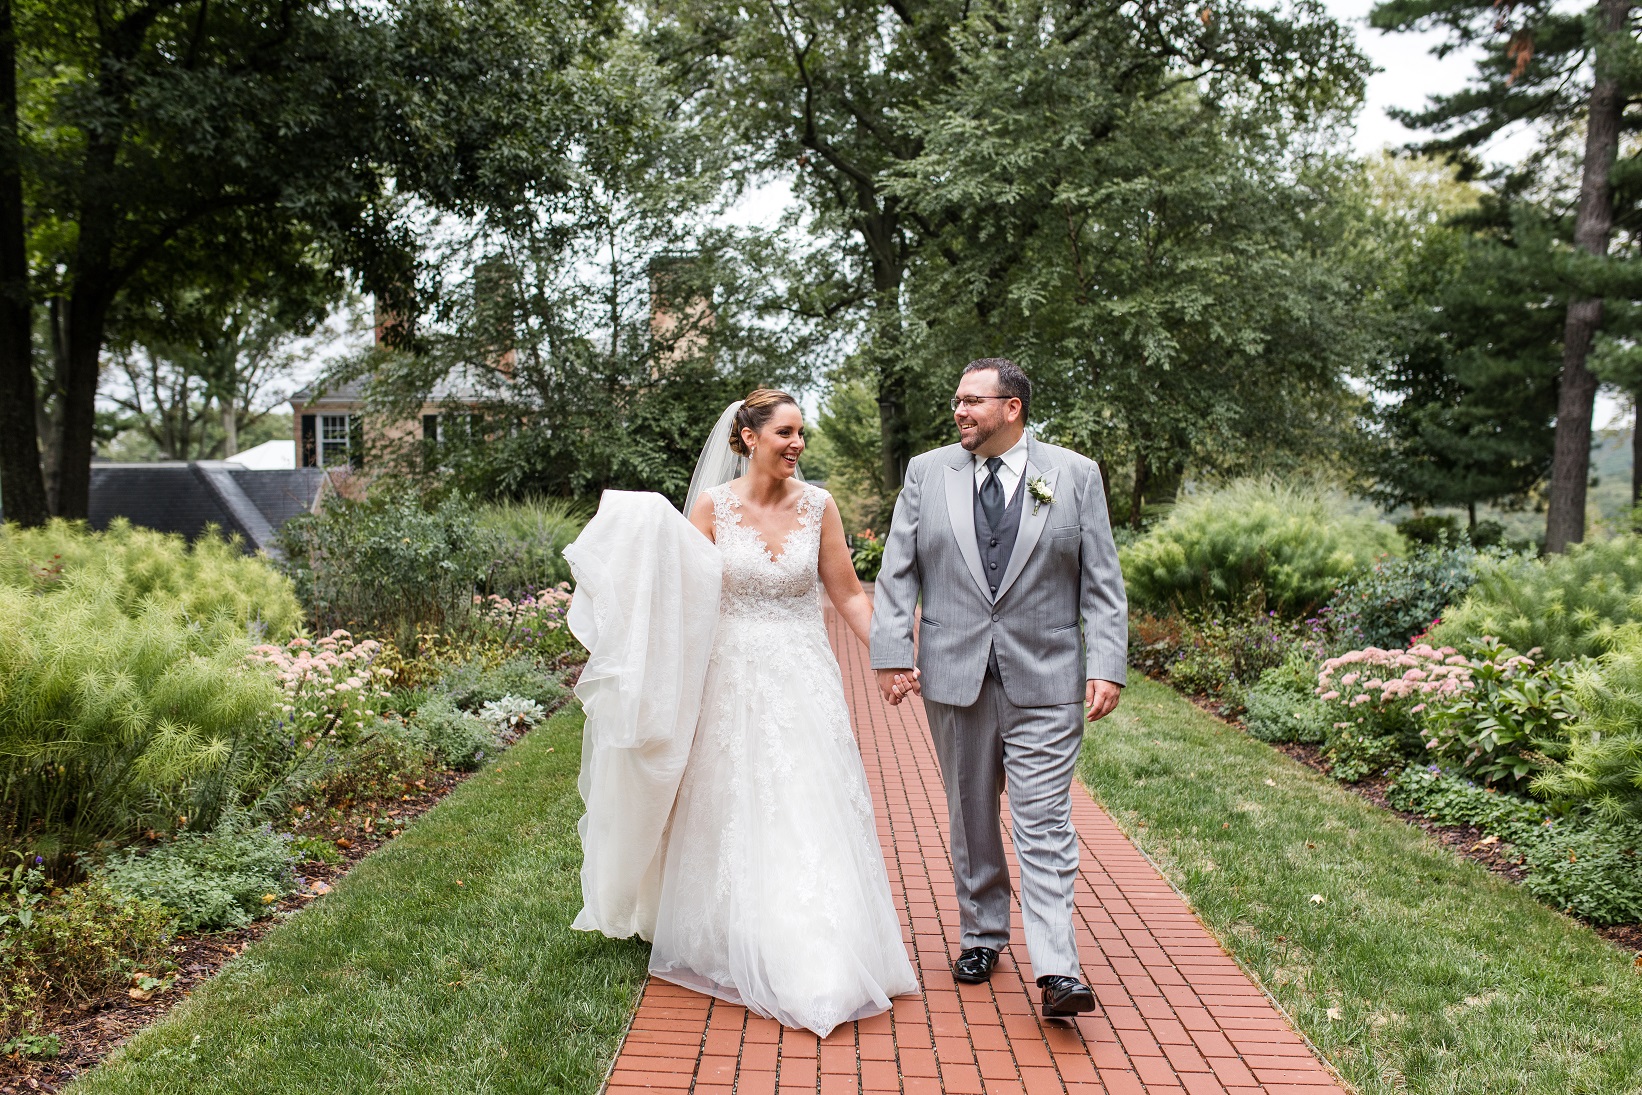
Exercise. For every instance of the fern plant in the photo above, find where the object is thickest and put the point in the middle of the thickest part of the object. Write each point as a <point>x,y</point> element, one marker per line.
<point>1603,771</point>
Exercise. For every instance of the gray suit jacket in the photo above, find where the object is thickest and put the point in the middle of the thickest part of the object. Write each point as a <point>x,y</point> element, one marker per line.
<point>1064,570</point>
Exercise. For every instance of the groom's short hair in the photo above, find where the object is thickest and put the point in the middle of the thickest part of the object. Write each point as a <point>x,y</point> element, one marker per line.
<point>1012,379</point>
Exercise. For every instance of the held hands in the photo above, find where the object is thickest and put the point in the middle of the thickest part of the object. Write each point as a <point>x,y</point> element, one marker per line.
<point>1100,699</point>
<point>897,684</point>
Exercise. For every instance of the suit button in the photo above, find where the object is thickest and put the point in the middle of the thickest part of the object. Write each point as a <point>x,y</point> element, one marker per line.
<point>994,566</point>
<point>994,615</point>
<point>993,543</point>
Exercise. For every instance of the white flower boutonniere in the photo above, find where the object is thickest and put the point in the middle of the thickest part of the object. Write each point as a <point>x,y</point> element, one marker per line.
<point>1038,488</point>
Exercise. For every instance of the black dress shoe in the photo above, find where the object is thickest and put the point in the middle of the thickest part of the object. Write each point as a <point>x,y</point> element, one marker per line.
<point>1065,996</point>
<point>975,965</point>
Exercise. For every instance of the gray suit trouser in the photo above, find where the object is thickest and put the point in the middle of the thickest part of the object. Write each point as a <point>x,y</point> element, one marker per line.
<point>1033,751</point>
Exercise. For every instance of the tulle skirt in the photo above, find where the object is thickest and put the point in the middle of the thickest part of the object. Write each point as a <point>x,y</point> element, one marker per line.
<point>774,893</point>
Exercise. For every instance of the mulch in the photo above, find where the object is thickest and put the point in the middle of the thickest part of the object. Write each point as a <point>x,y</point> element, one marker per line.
<point>91,1030</point>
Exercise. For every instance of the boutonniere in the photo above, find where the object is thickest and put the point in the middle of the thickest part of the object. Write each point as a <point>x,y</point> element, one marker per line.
<point>1038,488</point>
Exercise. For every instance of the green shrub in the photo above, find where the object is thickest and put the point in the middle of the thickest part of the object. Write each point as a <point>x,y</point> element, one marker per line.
<point>1376,701</point>
<point>1227,652</point>
<point>1511,724</point>
<point>1254,540</point>
<point>1579,863</point>
<point>389,564</point>
<point>867,556</point>
<point>459,739</point>
<point>1396,599</point>
<point>1567,605</point>
<point>529,541</point>
<point>225,878</point>
<point>72,944</point>
<point>113,723</point>
<point>1603,770</point>
<point>472,685</point>
<point>1283,705</point>
<point>211,579</point>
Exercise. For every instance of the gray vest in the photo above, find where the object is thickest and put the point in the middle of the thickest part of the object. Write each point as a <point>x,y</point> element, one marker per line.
<point>998,544</point>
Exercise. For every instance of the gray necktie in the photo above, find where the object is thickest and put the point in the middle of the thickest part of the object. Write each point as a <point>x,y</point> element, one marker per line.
<point>992,493</point>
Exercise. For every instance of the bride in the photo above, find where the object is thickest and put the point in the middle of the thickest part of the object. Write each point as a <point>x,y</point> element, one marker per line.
<point>728,814</point>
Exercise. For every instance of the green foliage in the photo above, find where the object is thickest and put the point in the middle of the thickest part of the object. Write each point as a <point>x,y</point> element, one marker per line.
<point>474,684</point>
<point>210,579</point>
<point>225,878</point>
<point>1253,539</point>
<point>459,739</point>
<point>112,723</point>
<point>1511,724</point>
<point>1578,863</point>
<point>530,537</point>
<point>1396,599</point>
<point>1603,770</point>
<point>72,945</point>
<point>1283,705</point>
<point>1567,605</point>
<point>389,564</point>
<point>867,556</point>
<point>1223,653</point>
<point>1377,699</point>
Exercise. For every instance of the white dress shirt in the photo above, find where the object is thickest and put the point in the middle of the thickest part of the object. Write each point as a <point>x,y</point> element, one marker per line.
<point>1009,474</point>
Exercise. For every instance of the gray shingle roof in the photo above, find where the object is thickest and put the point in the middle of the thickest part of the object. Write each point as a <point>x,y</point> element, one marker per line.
<point>185,497</point>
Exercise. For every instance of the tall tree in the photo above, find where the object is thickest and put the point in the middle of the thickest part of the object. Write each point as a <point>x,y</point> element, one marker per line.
<point>163,134</point>
<point>1567,73</point>
<point>22,489</point>
<point>1137,211</point>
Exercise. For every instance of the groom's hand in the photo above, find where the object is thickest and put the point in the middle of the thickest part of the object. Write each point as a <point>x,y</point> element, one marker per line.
<point>1100,699</point>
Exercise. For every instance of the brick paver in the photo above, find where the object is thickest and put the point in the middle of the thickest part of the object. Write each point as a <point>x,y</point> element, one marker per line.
<point>1177,1014</point>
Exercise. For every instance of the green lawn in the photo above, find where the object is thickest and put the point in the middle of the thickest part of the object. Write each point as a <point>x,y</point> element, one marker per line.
<point>401,980</point>
<point>1447,979</point>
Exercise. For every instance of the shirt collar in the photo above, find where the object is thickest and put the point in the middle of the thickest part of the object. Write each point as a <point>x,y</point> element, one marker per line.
<point>1014,459</point>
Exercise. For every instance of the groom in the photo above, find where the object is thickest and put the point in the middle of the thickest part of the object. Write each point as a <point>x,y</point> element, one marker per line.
<point>1008,541</point>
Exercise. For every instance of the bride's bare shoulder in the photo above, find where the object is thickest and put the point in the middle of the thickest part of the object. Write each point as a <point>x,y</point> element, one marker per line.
<point>701,514</point>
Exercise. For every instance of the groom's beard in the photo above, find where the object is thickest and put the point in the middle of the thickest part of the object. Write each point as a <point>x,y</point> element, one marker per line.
<point>977,437</point>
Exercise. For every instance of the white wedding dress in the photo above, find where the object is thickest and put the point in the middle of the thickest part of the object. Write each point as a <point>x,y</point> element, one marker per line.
<point>767,887</point>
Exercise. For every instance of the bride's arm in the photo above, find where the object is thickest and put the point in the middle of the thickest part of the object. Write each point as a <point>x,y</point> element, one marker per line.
<point>838,576</point>
<point>701,515</point>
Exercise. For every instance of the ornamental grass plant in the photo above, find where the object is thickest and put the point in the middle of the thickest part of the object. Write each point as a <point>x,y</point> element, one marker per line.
<point>1255,540</point>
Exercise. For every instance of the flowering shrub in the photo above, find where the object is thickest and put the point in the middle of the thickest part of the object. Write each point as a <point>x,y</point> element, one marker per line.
<point>1512,723</point>
<point>331,687</point>
<point>867,555</point>
<point>536,621</point>
<point>1378,696</point>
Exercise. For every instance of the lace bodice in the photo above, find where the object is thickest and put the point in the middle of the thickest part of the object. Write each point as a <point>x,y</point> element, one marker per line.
<point>762,585</point>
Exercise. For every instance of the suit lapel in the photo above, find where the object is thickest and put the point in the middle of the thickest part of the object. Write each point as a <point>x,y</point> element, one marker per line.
<point>960,507</point>
<point>1033,518</point>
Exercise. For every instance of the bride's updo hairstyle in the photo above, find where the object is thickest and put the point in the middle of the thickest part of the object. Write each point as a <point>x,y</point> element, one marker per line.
<point>755,411</point>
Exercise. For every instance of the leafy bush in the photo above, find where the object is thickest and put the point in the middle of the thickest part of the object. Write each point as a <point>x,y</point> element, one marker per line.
<point>1567,605</point>
<point>529,541</point>
<point>1251,541</point>
<point>1577,863</point>
<point>225,878</point>
<point>533,622</point>
<point>1225,653</point>
<point>1603,770</point>
<point>72,944</point>
<point>1511,723</point>
<point>1376,698</point>
<point>388,564</point>
<point>868,556</point>
<point>459,739</point>
<point>112,723</point>
<point>1283,704</point>
<point>211,579</point>
<point>472,685</point>
<point>1396,599</point>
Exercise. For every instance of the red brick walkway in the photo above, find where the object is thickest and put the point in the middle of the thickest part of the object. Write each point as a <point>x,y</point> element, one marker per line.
<point>1177,1014</point>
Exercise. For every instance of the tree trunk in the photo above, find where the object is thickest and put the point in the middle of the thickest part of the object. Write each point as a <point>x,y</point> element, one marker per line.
<point>22,488</point>
<point>1636,455</point>
<point>230,427</point>
<point>1137,495</point>
<point>1471,519</point>
<point>1593,224</point>
<point>86,318</point>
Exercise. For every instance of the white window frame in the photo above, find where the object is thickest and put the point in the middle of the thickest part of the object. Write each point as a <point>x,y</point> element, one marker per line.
<point>327,442</point>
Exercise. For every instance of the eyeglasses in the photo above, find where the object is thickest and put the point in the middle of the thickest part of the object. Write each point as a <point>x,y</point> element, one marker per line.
<point>973,401</point>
